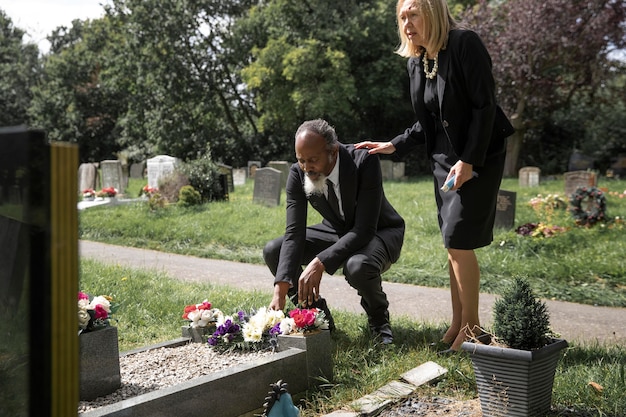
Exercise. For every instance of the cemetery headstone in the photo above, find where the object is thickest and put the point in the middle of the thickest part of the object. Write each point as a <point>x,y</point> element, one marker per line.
<point>386,168</point>
<point>88,176</point>
<point>398,170</point>
<point>576,179</point>
<point>283,167</point>
<point>160,166</point>
<point>267,186</point>
<point>38,270</point>
<point>252,167</point>
<point>138,170</point>
<point>239,176</point>
<point>228,171</point>
<point>112,175</point>
<point>505,209</point>
<point>529,176</point>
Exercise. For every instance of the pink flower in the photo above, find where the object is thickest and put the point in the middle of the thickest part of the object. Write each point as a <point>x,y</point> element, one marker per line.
<point>100,312</point>
<point>82,296</point>
<point>303,318</point>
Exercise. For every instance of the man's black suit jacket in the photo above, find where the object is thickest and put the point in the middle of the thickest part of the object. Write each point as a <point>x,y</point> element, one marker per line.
<point>366,209</point>
<point>474,123</point>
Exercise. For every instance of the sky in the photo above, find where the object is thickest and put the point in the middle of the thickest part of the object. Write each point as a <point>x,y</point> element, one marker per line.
<point>40,17</point>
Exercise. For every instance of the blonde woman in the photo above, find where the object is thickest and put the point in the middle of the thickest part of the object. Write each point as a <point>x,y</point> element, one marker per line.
<point>453,94</point>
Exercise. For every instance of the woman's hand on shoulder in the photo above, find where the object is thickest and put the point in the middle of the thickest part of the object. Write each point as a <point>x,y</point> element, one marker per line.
<point>376,147</point>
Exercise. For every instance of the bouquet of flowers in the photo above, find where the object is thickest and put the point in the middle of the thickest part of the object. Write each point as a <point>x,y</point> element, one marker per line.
<point>107,192</point>
<point>202,315</point>
<point>148,191</point>
<point>89,193</point>
<point>94,313</point>
<point>260,329</point>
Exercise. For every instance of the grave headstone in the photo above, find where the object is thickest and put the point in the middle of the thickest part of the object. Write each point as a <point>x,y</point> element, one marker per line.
<point>576,179</point>
<point>398,170</point>
<point>38,269</point>
<point>252,167</point>
<point>267,186</point>
<point>138,170</point>
<point>386,169</point>
<point>228,171</point>
<point>529,176</point>
<point>239,176</point>
<point>283,167</point>
<point>88,176</point>
<point>160,166</point>
<point>112,175</point>
<point>505,209</point>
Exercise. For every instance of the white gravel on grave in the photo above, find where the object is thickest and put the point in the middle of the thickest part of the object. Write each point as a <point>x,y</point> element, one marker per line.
<point>164,367</point>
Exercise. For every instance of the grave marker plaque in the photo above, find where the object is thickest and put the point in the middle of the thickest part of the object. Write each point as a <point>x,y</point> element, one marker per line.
<point>252,167</point>
<point>283,167</point>
<point>505,209</point>
<point>529,176</point>
<point>158,167</point>
<point>87,176</point>
<point>386,169</point>
<point>576,179</point>
<point>398,170</point>
<point>112,175</point>
<point>38,276</point>
<point>137,170</point>
<point>267,186</point>
<point>239,176</point>
<point>228,171</point>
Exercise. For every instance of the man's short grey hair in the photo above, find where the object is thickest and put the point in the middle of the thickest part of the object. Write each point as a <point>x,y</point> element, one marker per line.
<point>322,128</point>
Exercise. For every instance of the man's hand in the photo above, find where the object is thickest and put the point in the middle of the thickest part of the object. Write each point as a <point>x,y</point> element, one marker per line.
<point>376,147</point>
<point>280,292</point>
<point>309,282</point>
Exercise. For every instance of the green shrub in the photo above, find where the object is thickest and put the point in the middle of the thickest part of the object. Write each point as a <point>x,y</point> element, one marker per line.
<point>188,196</point>
<point>204,176</point>
<point>156,201</point>
<point>520,319</point>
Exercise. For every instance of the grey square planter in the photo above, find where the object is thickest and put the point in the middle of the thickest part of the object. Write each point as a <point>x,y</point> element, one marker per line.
<point>512,382</point>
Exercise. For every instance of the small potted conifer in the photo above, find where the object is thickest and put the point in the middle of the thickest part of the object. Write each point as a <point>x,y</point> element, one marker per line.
<point>515,370</point>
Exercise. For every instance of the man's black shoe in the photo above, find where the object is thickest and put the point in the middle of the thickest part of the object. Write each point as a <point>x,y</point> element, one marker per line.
<point>382,333</point>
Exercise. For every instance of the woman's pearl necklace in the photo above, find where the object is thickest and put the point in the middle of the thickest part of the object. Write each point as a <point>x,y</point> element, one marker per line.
<point>430,74</point>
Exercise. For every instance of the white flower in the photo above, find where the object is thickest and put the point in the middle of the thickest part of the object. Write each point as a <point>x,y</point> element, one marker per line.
<point>83,317</point>
<point>287,325</point>
<point>252,333</point>
<point>102,301</point>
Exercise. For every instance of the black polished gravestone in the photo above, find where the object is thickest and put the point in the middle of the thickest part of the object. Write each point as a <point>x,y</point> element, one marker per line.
<point>505,209</point>
<point>38,275</point>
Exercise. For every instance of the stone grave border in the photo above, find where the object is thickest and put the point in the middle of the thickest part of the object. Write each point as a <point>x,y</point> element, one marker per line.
<point>221,390</point>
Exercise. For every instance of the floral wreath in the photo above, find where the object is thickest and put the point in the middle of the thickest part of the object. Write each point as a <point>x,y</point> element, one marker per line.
<point>596,210</point>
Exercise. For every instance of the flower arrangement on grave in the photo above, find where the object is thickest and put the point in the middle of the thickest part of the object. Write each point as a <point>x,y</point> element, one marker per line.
<point>148,191</point>
<point>107,192</point>
<point>259,329</point>
<point>588,206</point>
<point>202,315</point>
<point>88,193</point>
<point>95,313</point>
<point>546,208</point>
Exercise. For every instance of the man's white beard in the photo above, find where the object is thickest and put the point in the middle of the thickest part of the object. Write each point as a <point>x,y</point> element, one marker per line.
<point>317,186</point>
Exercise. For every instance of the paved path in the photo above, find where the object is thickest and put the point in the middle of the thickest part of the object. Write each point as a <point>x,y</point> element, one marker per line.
<point>575,322</point>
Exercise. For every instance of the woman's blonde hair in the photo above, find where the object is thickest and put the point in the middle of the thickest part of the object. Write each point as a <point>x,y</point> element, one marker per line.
<point>437,23</point>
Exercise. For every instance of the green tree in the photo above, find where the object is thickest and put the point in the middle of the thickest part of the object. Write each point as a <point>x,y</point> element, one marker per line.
<point>545,55</point>
<point>77,101</point>
<point>19,70</point>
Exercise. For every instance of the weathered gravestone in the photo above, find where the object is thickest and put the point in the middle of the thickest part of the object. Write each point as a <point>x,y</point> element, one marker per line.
<point>158,167</point>
<point>267,186</point>
<point>228,171</point>
<point>112,175</point>
<point>283,167</point>
<point>576,179</point>
<point>505,209</point>
<point>386,169</point>
<point>529,176</point>
<point>38,271</point>
<point>580,162</point>
<point>252,167</point>
<point>239,176</point>
<point>138,170</point>
<point>398,170</point>
<point>88,176</point>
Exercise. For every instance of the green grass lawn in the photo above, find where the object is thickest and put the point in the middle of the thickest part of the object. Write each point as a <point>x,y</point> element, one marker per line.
<point>582,265</point>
